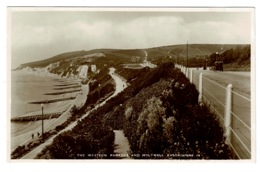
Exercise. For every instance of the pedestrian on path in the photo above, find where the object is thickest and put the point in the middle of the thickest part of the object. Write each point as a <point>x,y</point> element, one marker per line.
<point>32,135</point>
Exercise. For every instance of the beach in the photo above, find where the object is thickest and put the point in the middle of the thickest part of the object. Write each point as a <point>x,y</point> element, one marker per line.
<point>32,87</point>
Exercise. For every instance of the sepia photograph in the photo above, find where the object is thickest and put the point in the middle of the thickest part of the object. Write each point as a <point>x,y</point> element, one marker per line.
<point>131,83</point>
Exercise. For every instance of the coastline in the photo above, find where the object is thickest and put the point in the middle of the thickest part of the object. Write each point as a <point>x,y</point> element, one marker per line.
<point>21,133</point>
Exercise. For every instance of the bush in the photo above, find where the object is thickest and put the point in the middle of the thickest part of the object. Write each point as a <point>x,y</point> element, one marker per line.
<point>165,119</point>
<point>87,140</point>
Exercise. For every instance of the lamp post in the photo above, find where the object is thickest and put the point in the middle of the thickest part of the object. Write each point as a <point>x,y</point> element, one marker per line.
<point>187,59</point>
<point>42,105</point>
<point>206,63</point>
<point>99,91</point>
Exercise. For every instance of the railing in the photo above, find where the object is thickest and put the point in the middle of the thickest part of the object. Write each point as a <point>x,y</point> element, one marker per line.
<point>231,107</point>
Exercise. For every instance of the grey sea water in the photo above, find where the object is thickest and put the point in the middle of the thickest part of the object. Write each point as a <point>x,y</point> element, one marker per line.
<point>25,88</point>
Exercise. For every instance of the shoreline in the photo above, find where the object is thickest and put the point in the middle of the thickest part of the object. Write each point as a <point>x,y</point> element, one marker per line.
<point>21,132</point>
<point>49,94</point>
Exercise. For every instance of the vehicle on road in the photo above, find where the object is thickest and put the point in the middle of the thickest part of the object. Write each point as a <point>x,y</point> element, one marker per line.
<point>219,65</point>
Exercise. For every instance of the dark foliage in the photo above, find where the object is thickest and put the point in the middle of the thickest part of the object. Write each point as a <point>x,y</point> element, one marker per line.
<point>90,139</point>
<point>100,93</point>
<point>129,74</point>
<point>101,86</point>
<point>239,55</point>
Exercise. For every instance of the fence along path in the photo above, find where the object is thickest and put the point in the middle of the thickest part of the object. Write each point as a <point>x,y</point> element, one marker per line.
<point>232,108</point>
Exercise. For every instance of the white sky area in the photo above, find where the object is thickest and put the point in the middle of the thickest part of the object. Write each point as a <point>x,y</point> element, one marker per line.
<point>36,35</point>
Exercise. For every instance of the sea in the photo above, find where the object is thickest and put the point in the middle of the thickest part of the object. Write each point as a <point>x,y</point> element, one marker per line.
<point>29,87</point>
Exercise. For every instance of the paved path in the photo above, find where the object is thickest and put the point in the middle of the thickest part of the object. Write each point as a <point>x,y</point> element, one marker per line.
<point>122,146</point>
<point>120,85</point>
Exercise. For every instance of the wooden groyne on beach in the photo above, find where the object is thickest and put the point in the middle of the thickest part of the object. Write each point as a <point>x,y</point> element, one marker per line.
<point>52,101</point>
<point>68,87</point>
<point>63,92</point>
<point>36,117</point>
<point>64,85</point>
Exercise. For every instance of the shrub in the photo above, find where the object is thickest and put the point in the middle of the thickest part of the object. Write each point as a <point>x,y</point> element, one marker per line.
<point>87,140</point>
<point>165,118</point>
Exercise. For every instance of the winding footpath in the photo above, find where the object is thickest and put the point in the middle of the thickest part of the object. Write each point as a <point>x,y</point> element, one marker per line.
<point>147,63</point>
<point>120,86</point>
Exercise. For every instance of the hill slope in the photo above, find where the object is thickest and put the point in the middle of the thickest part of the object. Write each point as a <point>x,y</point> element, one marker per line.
<point>68,64</point>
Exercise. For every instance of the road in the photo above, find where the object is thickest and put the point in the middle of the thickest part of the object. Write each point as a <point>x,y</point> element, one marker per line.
<point>241,81</point>
<point>146,62</point>
<point>214,84</point>
<point>120,83</point>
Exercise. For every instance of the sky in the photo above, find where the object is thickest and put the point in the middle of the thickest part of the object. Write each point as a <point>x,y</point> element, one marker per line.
<point>37,34</point>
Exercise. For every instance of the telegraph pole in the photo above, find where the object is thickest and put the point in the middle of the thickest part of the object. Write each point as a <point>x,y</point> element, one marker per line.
<point>42,123</point>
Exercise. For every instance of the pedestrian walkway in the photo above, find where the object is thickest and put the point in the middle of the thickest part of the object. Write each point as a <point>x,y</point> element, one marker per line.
<point>122,147</point>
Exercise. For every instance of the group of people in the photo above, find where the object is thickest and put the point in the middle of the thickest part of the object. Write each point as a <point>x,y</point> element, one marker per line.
<point>38,134</point>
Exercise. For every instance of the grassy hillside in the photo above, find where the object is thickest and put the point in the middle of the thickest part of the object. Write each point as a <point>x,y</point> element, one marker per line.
<point>158,55</point>
<point>193,49</point>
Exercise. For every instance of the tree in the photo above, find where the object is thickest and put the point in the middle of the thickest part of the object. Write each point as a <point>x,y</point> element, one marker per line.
<point>150,127</point>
